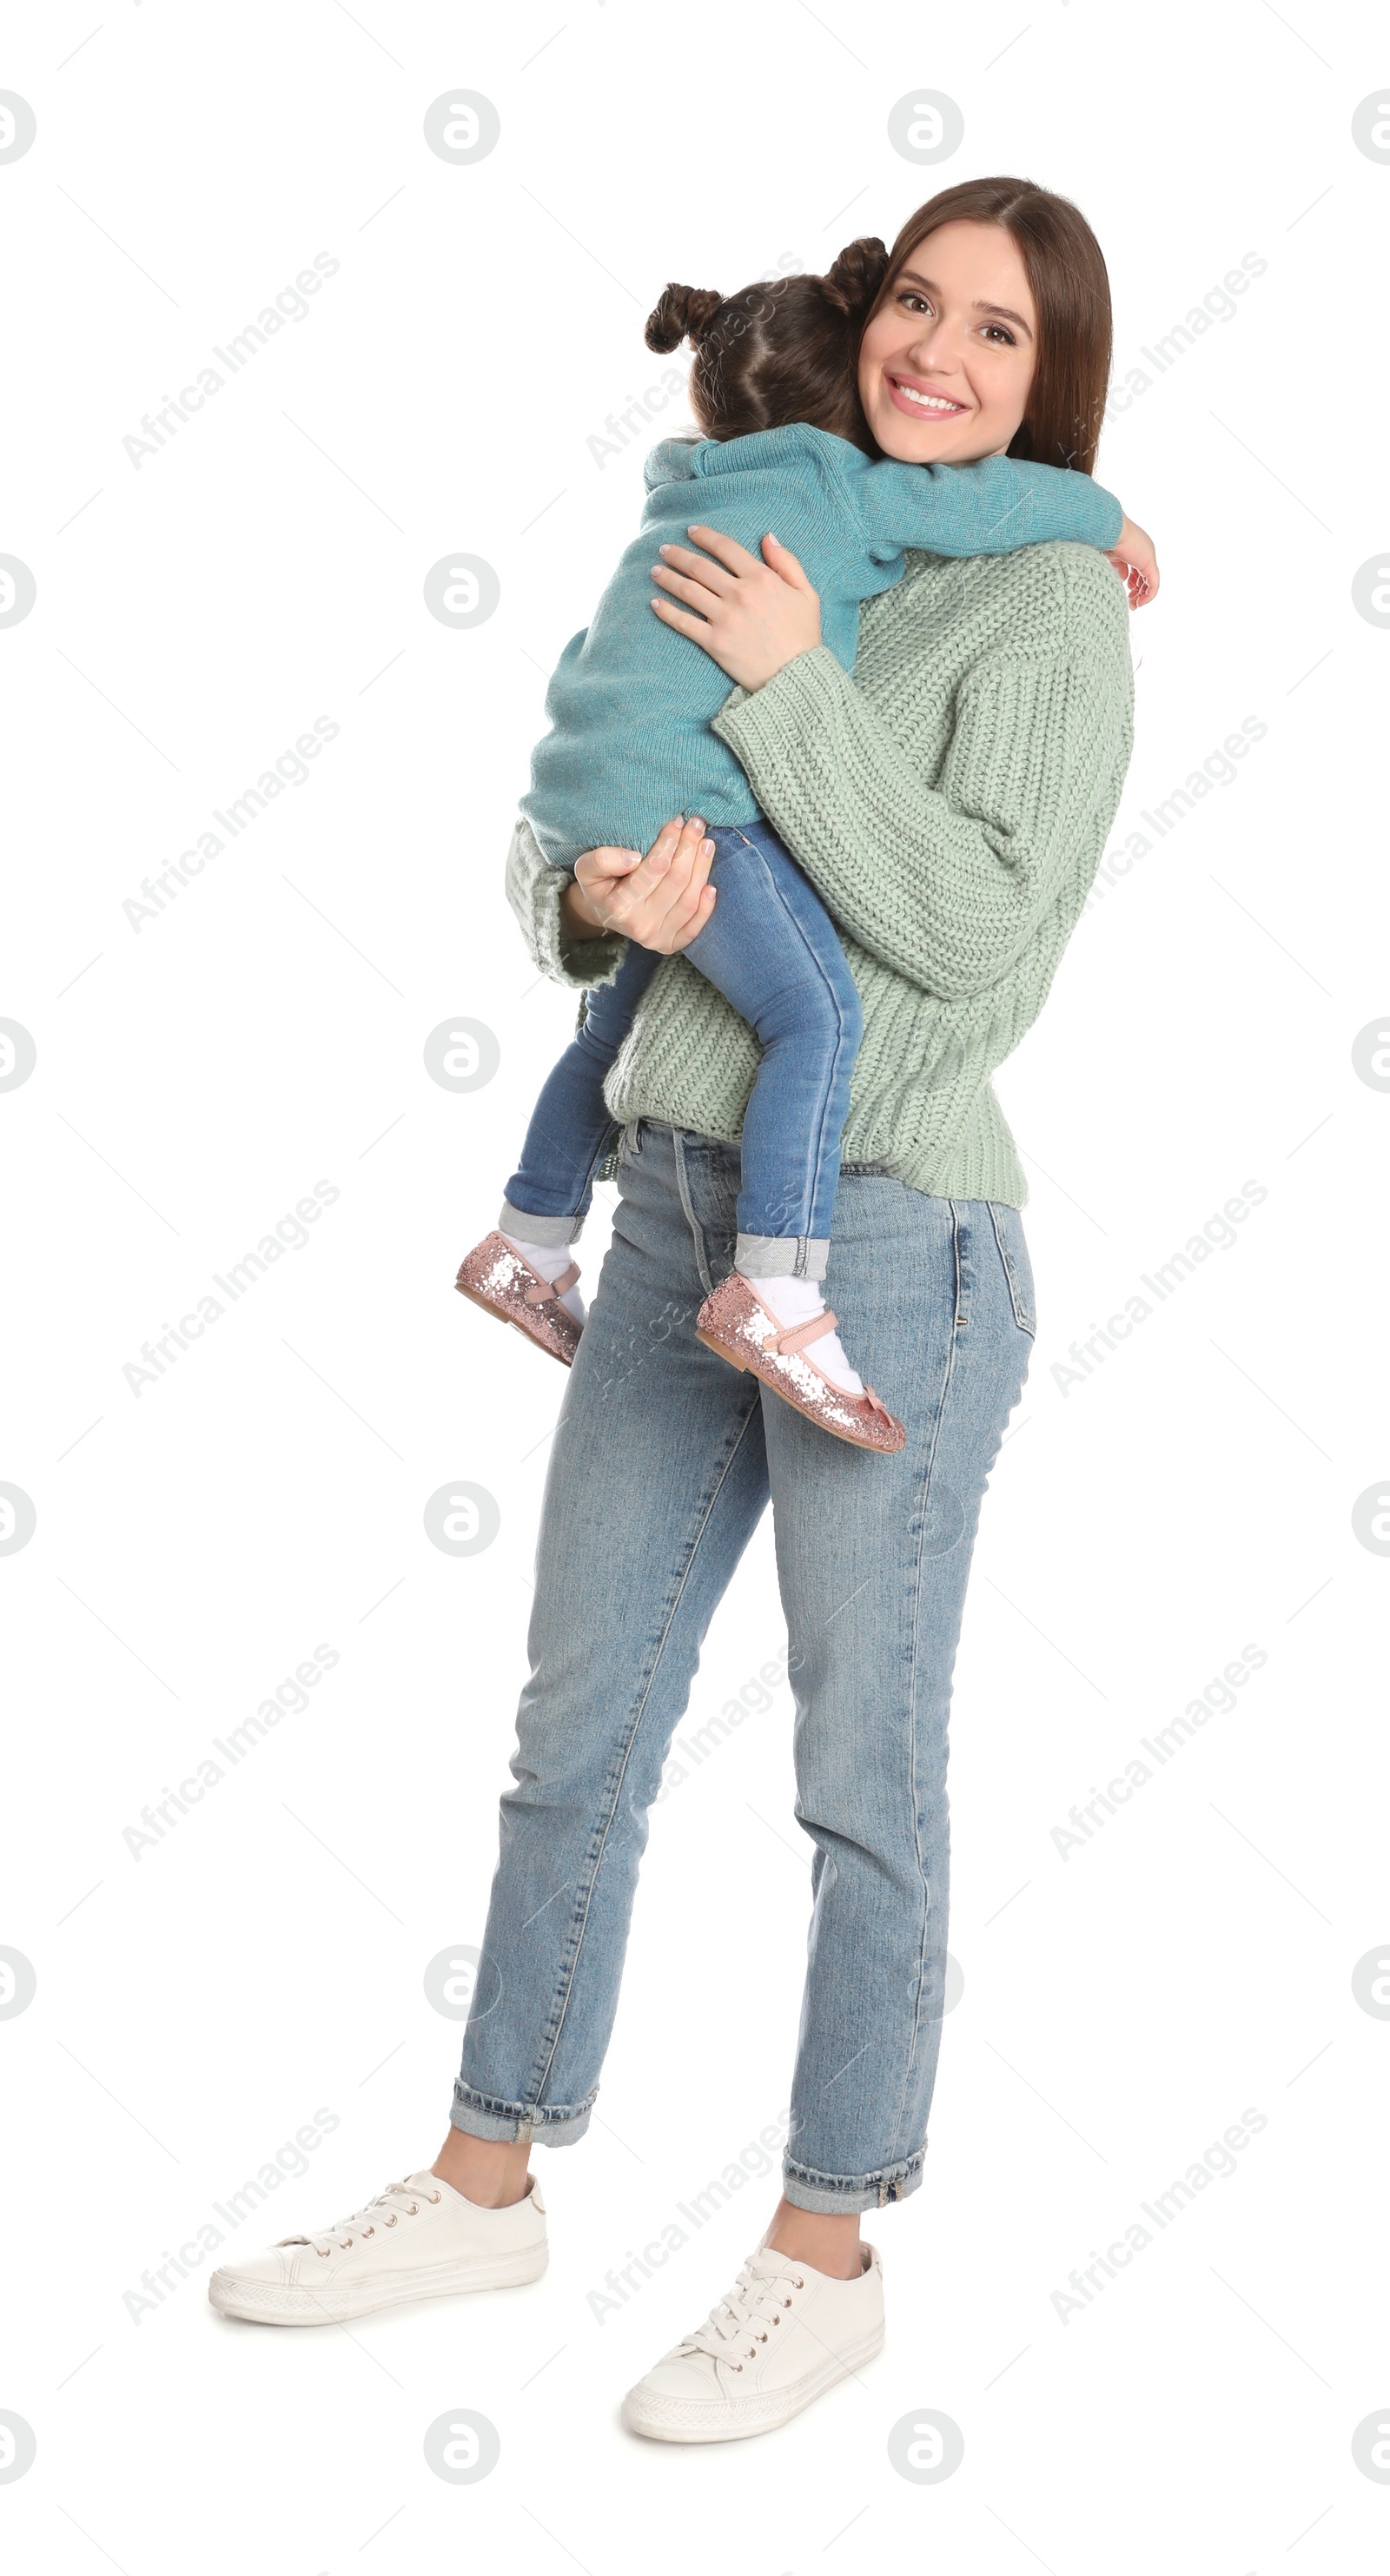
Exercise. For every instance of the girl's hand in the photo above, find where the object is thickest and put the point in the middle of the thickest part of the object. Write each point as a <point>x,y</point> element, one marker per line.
<point>751,617</point>
<point>661,901</point>
<point>1136,563</point>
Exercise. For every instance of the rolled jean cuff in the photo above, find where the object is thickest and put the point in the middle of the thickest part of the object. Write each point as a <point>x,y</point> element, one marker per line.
<point>484,2115</point>
<point>539,1229</point>
<point>840,2195</point>
<point>780,1256</point>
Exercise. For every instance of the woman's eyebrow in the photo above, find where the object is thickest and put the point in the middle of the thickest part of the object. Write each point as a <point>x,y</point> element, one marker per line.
<point>1005,313</point>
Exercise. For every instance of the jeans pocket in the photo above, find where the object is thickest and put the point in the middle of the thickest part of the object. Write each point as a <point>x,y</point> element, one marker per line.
<point>1018,1269</point>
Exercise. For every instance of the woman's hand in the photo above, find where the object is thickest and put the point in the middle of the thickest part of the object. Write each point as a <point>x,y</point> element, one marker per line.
<point>1136,563</point>
<point>661,901</point>
<point>752,617</point>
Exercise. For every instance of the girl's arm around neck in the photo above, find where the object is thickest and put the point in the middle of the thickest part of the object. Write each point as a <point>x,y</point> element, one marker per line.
<point>988,508</point>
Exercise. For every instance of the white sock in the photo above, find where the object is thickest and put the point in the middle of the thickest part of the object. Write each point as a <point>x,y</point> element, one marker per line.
<point>549,1259</point>
<point>795,1301</point>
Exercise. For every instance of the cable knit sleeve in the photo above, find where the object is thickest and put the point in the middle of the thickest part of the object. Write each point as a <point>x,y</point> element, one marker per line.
<point>945,884</point>
<point>534,891</point>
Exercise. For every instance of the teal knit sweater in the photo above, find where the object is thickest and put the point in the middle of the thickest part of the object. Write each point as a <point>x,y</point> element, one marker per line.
<point>950,804</point>
<point>632,701</point>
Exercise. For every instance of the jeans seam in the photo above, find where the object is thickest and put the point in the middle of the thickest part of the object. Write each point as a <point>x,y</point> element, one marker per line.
<point>696,1229</point>
<point>586,1194</point>
<point>633,1732</point>
<point>897,2169</point>
<point>814,1165</point>
<point>921,1558</point>
<point>816,1157</point>
<point>601,1154</point>
<point>803,1244</point>
<point>535,2114</point>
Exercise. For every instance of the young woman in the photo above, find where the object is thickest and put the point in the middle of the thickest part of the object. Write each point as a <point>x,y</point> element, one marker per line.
<point>632,706</point>
<point>949,802</point>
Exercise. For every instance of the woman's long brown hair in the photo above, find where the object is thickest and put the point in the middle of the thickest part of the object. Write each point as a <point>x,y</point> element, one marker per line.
<point>1071,295</point>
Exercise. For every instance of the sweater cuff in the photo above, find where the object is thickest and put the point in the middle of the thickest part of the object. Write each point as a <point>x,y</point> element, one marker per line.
<point>761,725</point>
<point>535,891</point>
<point>1108,512</point>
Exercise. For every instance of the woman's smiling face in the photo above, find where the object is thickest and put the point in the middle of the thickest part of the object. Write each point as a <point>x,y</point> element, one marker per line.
<point>946,363</point>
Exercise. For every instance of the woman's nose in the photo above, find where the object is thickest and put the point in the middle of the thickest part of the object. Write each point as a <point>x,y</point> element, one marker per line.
<point>932,348</point>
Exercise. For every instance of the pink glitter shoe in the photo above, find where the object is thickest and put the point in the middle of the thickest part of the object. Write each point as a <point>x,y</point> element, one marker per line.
<point>496,1277</point>
<point>736,1323</point>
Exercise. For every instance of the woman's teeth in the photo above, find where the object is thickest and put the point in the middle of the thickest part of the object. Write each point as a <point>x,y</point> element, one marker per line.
<point>928,402</point>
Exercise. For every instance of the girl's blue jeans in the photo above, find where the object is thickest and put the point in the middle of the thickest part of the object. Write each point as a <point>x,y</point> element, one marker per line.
<point>772,950</point>
<point>663,1462</point>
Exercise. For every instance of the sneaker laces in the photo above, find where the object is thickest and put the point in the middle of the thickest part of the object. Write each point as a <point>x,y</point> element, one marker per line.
<point>749,2310</point>
<point>397,2200</point>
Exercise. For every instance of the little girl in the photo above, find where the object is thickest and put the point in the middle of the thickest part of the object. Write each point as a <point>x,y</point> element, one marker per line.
<point>631,706</point>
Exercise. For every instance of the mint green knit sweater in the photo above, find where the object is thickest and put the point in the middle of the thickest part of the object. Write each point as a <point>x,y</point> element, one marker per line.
<point>950,804</point>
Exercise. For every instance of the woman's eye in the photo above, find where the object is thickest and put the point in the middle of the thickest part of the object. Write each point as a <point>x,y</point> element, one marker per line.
<point>996,331</point>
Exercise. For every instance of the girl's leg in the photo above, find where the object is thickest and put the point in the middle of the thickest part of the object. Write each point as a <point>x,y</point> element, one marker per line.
<point>771,949</point>
<point>571,1126</point>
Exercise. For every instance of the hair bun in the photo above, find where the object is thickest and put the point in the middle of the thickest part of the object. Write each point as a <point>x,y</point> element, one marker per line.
<point>683,313</point>
<point>856,276</point>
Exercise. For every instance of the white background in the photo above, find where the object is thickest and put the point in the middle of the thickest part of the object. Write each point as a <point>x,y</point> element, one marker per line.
<point>195,1540</point>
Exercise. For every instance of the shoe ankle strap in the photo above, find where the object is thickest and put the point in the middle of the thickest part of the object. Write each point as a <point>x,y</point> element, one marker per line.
<point>796,1336</point>
<point>541,1291</point>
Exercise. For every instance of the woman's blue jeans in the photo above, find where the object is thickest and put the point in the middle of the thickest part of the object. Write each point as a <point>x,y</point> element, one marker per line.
<point>771,948</point>
<point>663,1461</point>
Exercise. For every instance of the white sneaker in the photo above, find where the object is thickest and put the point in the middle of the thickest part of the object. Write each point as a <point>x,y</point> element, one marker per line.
<point>783,2334</point>
<point>419,2239</point>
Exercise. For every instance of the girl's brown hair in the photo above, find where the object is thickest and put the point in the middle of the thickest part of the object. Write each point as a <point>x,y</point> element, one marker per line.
<point>782,351</point>
<point>1071,295</point>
